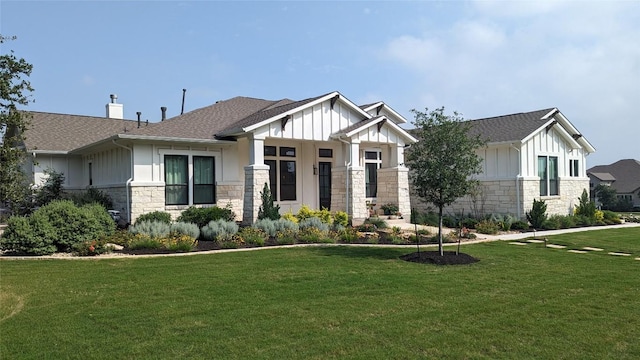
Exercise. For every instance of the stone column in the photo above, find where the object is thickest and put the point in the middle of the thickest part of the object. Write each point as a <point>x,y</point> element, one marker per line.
<point>393,187</point>
<point>255,176</point>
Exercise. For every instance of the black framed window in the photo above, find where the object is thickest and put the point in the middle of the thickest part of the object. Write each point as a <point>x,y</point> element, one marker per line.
<point>325,153</point>
<point>372,162</point>
<point>176,180</point>
<point>282,172</point>
<point>204,174</point>
<point>574,168</point>
<point>548,174</point>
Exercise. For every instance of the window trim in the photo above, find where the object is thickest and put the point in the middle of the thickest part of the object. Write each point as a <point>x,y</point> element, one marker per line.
<point>183,186</point>
<point>212,185</point>
<point>378,164</point>
<point>574,167</point>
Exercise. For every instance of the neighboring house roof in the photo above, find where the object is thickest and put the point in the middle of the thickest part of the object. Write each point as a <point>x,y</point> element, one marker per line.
<point>50,132</point>
<point>513,127</point>
<point>521,126</point>
<point>603,176</point>
<point>626,173</point>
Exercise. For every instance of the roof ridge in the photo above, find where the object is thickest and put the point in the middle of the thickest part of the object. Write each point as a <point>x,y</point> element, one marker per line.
<point>513,114</point>
<point>77,115</point>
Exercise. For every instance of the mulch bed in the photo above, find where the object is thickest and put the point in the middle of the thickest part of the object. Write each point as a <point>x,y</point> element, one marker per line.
<point>434,257</point>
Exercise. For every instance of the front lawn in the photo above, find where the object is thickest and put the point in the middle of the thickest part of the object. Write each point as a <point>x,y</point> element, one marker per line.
<point>329,302</point>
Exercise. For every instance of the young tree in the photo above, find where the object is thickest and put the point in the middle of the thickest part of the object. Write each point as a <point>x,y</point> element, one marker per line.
<point>444,160</point>
<point>14,91</point>
<point>606,195</point>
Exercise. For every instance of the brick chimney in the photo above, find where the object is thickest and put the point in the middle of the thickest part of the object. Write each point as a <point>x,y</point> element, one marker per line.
<point>114,110</point>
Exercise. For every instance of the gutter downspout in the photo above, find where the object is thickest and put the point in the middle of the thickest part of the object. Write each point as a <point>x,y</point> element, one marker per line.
<point>348,165</point>
<point>128,183</point>
<point>518,182</point>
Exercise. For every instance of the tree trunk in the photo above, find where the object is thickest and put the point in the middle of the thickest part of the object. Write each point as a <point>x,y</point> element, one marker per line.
<point>440,232</point>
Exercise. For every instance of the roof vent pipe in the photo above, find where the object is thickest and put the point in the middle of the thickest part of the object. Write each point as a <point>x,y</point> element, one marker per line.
<point>184,91</point>
<point>138,113</point>
<point>164,113</point>
<point>113,97</point>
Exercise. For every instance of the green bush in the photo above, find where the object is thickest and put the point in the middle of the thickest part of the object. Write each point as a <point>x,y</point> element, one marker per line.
<point>469,223</point>
<point>73,225</point>
<point>367,227</point>
<point>141,241</point>
<point>538,214</point>
<point>189,229</point>
<point>341,218</point>
<point>267,209</point>
<point>449,221</point>
<point>202,216</point>
<point>586,207</point>
<point>312,234</point>
<point>102,216</point>
<point>286,237</point>
<point>92,195</point>
<point>313,222</point>
<point>52,188</point>
<point>268,226</point>
<point>160,216</point>
<point>252,236</point>
<point>611,217</point>
<point>154,229</point>
<point>219,230</point>
<point>178,242</point>
<point>30,236</point>
<point>487,227</point>
<point>378,222</point>
<point>519,225</point>
<point>567,222</point>
<point>552,223</point>
<point>92,248</point>
<point>347,235</point>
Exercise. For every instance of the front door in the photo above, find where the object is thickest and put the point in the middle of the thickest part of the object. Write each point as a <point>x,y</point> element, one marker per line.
<point>324,181</point>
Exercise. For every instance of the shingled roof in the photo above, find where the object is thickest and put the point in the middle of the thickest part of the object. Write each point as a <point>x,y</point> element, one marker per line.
<point>513,127</point>
<point>63,132</point>
<point>626,173</point>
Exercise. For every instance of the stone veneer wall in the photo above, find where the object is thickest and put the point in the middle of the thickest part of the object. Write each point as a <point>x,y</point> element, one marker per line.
<point>231,194</point>
<point>393,187</point>
<point>563,204</point>
<point>145,199</point>
<point>255,176</point>
<point>357,200</point>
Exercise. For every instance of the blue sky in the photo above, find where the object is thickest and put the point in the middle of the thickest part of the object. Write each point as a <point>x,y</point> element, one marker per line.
<point>481,58</point>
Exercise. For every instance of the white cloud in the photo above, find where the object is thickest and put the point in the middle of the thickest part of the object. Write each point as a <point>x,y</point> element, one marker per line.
<point>519,56</point>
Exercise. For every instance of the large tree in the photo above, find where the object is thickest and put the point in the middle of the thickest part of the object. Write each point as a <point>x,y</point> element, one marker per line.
<point>607,196</point>
<point>443,162</point>
<point>14,91</point>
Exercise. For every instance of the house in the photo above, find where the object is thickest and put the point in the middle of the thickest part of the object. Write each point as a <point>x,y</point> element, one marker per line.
<point>323,151</point>
<point>622,175</point>
<point>532,155</point>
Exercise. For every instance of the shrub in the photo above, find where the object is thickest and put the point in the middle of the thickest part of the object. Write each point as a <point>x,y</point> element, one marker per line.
<point>586,207</point>
<point>313,235</point>
<point>449,221</point>
<point>142,241</point>
<point>504,221</point>
<point>289,216</point>
<point>268,226</point>
<point>92,195</point>
<point>552,223</point>
<point>487,227</point>
<point>267,209</point>
<point>253,236</point>
<point>102,216</point>
<point>31,236</point>
<point>286,237</point>
<point>154,229</point>
<point>347,235</point>
<point>179,242</point>
<point>567,221</point>
<point>519,225</point>
<point>219,230</point>
<point>202,216</point>
<point>378,222</point>
<point>324,215</point>
<point>582,220</point>
<point>304,213</point>
<point>469,223</point>
<point>120,237</point>
<point>341,218</point>
<point>188,229</point>
<point>52,188</point>
<point>389,209</point>
<point>313,222</point>
<point>610,217</point>
<point>367,227</point>
<point>72,224</point>
<point>538,214</point>
<point>160,216</point>
<point>91,248</point>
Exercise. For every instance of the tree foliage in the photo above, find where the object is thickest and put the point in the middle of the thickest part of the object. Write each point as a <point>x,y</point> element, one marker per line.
<point>14,91</point>
<point>607,196</point>
<point>268,210</point>
<point>443,162</point>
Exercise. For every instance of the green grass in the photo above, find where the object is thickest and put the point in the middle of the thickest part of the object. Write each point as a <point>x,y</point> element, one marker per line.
<point>518,302</point>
